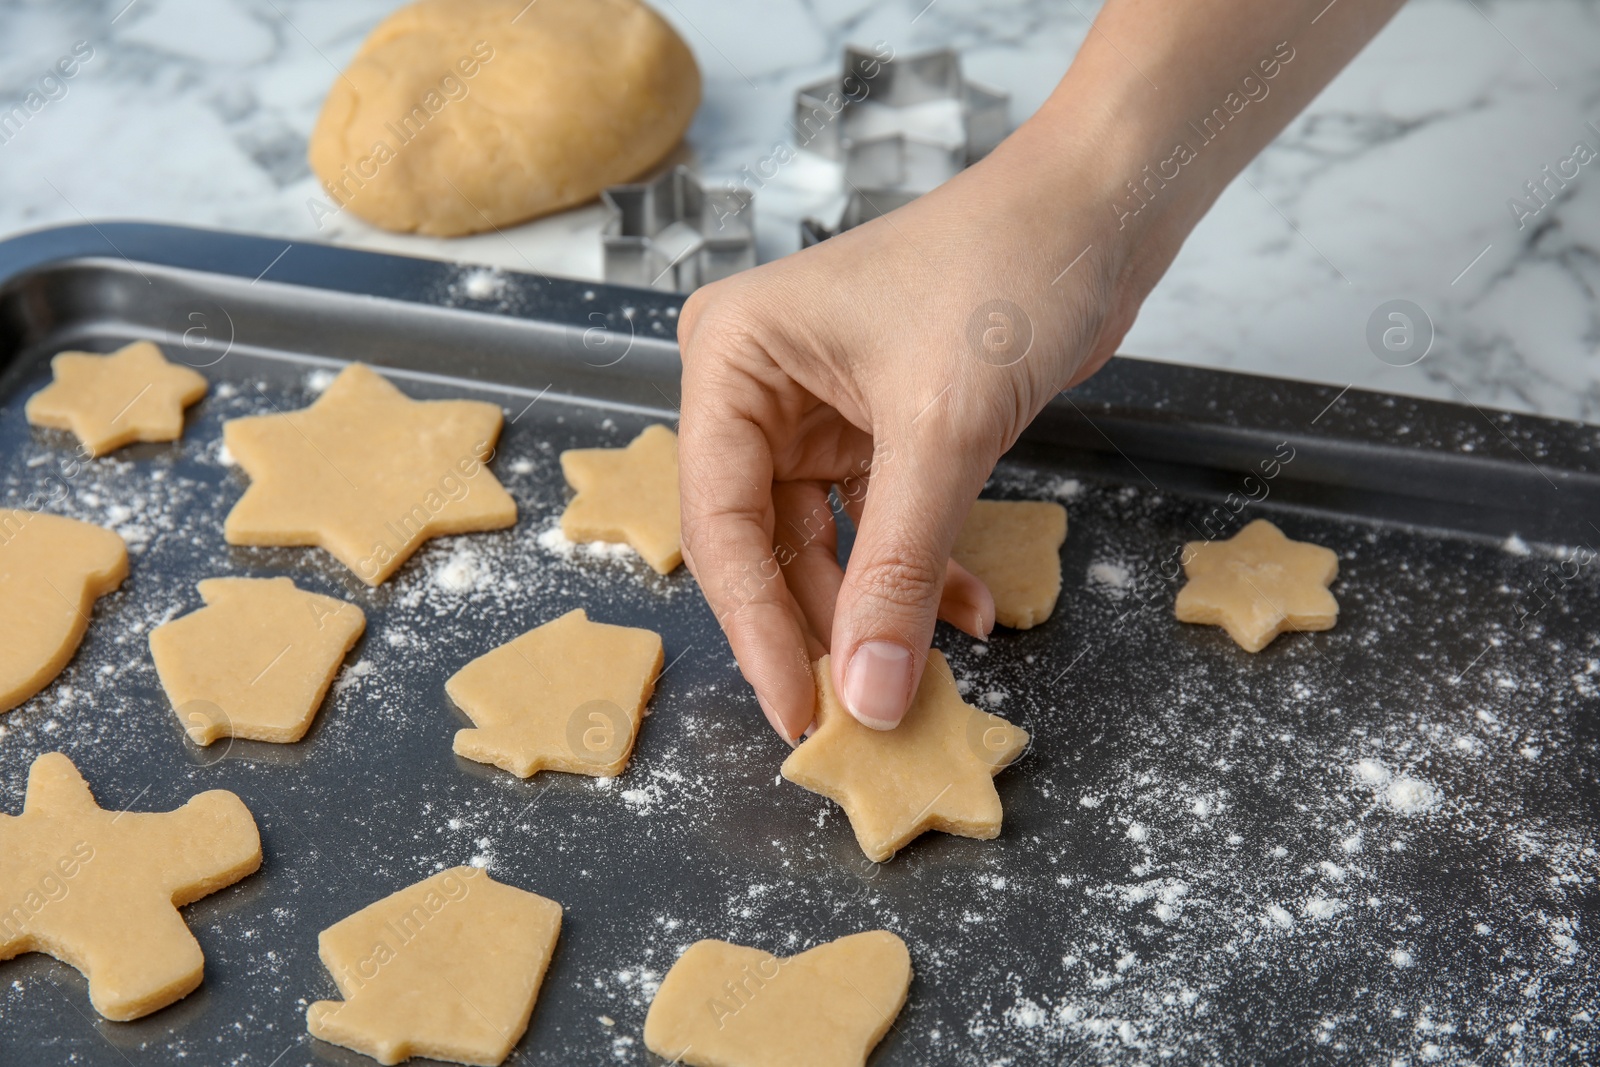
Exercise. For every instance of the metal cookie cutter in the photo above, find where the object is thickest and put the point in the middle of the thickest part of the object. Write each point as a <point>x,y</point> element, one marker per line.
<point>673,234</point>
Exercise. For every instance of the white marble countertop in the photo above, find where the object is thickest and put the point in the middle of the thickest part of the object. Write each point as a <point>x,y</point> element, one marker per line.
<point>1395,184</point>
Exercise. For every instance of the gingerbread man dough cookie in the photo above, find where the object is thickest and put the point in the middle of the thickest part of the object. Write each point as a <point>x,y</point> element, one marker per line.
<point>1258,584</point>
<point>367,473</point>
<point>134,394</point>
<point>627,494</point>
<point>448,968</point>
<point>1014,547</point>
<point>724,1005</point>
<point>52,570</point>
<point>256,661</point>
<point>935,771</point>
<point>100,890</point>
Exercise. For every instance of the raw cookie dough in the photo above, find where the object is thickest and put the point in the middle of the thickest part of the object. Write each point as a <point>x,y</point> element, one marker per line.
<point>627,494</point>
<point>935,771</point>
<point>52,570</point>
<point>1258,584</point>
<point>1014,546</point>
<point>100,890</point>
<point>256,661</point>
<point>458,116</point>
<point>448,968</point>
<point>566,696</point>
<point>367,473</point>
<point>724,1005</point>
<point>134,394</point>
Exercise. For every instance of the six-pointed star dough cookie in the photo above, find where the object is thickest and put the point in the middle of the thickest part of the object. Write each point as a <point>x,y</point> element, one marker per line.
<point>256,661</point>
<point>447,968</point>
<point>566,696</point>
<point>1258,584</point>
<point>100,890</point>
<point>52,570</point>
<point>367,473</point>
<point>724,1005</point>
<point>935,771</point>
<point>627,494</point>
<point>1014,547</point>
<point>134,394</point>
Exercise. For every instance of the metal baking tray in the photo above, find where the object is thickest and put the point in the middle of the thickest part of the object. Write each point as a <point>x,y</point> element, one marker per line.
<point>1202,860</point>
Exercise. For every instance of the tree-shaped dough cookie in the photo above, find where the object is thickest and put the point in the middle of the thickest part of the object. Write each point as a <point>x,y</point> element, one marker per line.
<point>724,1005</point>
<point>935,771</point>
<point>367,473</point>
<point>566,696</point>
<point>256,661</point>
<point>1258,584</point>
<point>1014,547</point>
<point>447,968</point>
<point>52,570</point>
<point>627,494</point>
<point>100,890</point>
<point>134,394</point>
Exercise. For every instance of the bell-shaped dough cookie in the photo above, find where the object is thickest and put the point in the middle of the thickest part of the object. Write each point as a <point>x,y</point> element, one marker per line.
<point>256,661</point>
<point>100,890</point>
<point>1258,584</point>
<point>1014,547</point>
<point>52,570</point>
<point>448,968</point>
<point>725,1005</point>
<point>134,394</point>
<point>627,494</point>
<point>935,771</point>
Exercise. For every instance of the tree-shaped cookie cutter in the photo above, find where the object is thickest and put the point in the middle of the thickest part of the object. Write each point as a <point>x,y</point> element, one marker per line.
<point>673,234</point>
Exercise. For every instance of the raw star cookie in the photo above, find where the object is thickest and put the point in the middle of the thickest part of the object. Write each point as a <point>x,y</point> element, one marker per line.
<point>256,661</point>
<point>1014,547</point>
<point>566,696</point>
<point>724,1005</point>
<point>134,394</point>
<point>627,494</point>
<point>367,473</point>
<point>935,771</point>
<point>52,570</point>
<point>1258,584</point>
<point>100,890</point>
<point>448,968</point>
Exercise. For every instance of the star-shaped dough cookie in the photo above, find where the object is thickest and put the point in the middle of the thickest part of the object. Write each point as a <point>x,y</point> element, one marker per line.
<point>1014,547</point>
<point>627,494</point>
<point>134,394</point>
<point>256,661</point>
<point>367,473</point>
<point>935,771</point>
<point>1258,584</point>
<point>565,696</point>
<point>724,1005</point>
<point>52,570</point>
<point>448,968</point>
<point>100,890</point>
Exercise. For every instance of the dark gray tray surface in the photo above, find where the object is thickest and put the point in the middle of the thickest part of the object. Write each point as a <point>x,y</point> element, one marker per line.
<point>1193,866</point>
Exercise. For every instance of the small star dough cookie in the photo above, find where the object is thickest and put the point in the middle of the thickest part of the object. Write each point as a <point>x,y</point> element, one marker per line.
<point>448,968</point>
<point>367,473</point>
<point>100,890</point>
<point>566,696</point>
<point>935,771</point>
<point>1258,584</point>
<point>725,1005</point>
<point>134,394</point>
<point>256,661</point>
<point>1014,547</point>
<point>627,494</point>
<point>52,570</point>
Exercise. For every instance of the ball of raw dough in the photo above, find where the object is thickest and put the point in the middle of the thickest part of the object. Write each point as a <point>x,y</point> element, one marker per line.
<point>463,115</point>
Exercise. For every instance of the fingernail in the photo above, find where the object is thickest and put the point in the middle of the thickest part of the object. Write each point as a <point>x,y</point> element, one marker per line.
<point>775,722</point>
<point>877,685</point>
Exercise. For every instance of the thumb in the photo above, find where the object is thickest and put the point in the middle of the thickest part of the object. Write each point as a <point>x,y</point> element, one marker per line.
<point>917,498</point>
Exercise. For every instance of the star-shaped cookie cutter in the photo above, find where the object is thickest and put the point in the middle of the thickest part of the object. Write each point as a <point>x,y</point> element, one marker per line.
<point>673,234</point>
